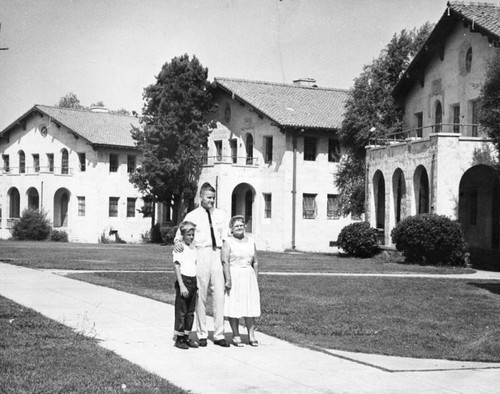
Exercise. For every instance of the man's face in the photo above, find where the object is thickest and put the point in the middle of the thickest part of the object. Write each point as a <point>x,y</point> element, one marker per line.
<point>207,199</point>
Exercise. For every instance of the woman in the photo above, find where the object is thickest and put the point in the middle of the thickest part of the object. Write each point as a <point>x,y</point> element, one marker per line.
<point>241,269</point>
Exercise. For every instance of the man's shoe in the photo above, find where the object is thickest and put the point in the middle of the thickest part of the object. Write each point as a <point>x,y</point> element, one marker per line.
<point>180,343</point>
<point>202,342</point>
<point>222,342</point>
<point>190,343</point>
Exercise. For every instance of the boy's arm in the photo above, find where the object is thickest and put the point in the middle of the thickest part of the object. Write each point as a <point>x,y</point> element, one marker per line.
<point>226,250</point>
<point>183,289</point>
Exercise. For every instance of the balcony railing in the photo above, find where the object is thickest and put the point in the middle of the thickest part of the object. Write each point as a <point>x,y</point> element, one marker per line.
<point>11,222</point>
<point>36,170</point>
<point>235,160</point>
<point>470,130</point>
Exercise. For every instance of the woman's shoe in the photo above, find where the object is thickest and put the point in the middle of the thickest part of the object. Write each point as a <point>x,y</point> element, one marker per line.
<point>254,343</point>
<point>237,342</point>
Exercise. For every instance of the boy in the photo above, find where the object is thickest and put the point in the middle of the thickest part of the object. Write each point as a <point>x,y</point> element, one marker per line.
<point>185,287</point>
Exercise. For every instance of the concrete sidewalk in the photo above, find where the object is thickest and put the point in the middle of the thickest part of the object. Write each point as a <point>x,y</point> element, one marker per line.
<point>140,330</point>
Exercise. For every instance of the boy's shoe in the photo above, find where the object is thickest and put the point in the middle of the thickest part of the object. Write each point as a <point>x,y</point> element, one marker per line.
<point>202,342</point>
<point>180,343</point>
<point>190,342</point>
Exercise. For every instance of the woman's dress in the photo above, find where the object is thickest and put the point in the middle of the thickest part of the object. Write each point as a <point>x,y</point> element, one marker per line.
<point>243,300</point>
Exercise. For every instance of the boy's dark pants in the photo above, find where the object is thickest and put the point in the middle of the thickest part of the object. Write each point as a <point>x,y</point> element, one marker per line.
<point>184,307</point>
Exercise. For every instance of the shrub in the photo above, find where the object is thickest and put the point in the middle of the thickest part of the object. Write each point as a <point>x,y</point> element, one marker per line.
<point>33,225</point>
<point>358,239</point>
<point>168,234</point>
<point>430,239</point>
<point>58,236</point>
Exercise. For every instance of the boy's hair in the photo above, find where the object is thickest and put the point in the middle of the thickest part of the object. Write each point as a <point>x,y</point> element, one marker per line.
<point>206,187</point>
<point>185,226</point>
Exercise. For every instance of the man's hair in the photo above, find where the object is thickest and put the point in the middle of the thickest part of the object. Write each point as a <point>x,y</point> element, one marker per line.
<point>206,187</point>
<point>185,226</point>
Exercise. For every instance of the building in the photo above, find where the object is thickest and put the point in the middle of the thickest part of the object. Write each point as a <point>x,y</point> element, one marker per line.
<point>441,162</point>
<point>272,158</point>
<point>74,165</point>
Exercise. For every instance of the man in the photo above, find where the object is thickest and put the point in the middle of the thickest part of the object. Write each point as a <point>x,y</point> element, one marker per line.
<point>211,232</point>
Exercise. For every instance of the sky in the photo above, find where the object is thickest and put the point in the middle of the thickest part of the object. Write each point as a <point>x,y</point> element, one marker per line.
<point>110,50</point>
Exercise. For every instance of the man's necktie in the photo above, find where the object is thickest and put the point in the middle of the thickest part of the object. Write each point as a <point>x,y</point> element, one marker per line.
<point>214,242</point>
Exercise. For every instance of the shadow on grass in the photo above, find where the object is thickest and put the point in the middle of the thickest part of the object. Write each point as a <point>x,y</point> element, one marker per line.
<point>491,287</point>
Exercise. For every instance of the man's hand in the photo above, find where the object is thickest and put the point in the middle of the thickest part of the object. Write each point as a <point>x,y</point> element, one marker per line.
<point>178,247</point>
<point>184,291</point>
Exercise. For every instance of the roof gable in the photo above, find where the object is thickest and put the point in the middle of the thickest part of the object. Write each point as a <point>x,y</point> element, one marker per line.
<point>96,127</point>
<point>482,18</point>
<point>290,105</point>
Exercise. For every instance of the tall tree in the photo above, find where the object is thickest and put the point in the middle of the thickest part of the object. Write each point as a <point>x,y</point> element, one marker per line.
<point>371,112</point>
<point>174,131</point>
<point>69,101</point>
<point>489,98</point>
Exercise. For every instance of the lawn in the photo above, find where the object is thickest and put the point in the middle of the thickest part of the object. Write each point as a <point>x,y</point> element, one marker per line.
<point>415,317</point>
<point>39,355</point>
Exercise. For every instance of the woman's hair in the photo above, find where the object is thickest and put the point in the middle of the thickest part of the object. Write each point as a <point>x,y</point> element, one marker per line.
<point>237,218</point>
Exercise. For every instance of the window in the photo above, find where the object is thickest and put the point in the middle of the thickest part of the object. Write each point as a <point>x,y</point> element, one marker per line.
<point>475,109</point>
<point>113,162</point>
<point>468,60</point>
<point>249,146</point>
<point>131,163</point>
<point>332,206</point>
<point>113,206</point>
<point>309,148</point>
<point>36,162</point>
<point>81,206</point>
<point>218,150</point>
<point>233,144</point>
<point>438,117</point>
<point>420,119</point>
<point>309,206</point>
<point>50,161</point>
<point>64,162</point>
<point>6,163</point>
<point>267,205</point>
<point>268,146</point>
<point>83,164</point>
<point>131,207</point>
<point>227,113</point>
<point>147,209</point>
<point>22,162</point>
<point>333,150</point>
<point>456,118</point>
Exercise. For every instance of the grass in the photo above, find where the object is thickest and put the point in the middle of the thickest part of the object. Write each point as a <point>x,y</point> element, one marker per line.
<point>414,317</point>
<point>39,355</point>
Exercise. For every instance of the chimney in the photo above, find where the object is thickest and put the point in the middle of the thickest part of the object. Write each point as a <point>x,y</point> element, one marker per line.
<point>99,108</point>
<point>305,82</point>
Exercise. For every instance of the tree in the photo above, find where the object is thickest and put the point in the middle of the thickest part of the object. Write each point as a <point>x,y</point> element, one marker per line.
<point>489,98</point>
<point>174,132</point>
<point>371,112</point>
<point>69,101</point>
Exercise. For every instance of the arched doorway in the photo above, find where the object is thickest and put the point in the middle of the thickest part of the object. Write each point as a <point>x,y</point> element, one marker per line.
<point>379,195</point>
<point>478,207</point>
<point>33,198</point>
<point>439,117</point>
<point>61,202</point>
<point>242,204</point>
<point>399,193</point>
<point>14,203</point>
<point>421,187</point>
<point>249,149</point>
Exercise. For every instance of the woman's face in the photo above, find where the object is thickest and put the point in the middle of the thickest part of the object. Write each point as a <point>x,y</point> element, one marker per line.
<point>238,228</point>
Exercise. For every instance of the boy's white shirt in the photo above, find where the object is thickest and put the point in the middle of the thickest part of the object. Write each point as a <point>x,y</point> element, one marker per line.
<point>186,260</point>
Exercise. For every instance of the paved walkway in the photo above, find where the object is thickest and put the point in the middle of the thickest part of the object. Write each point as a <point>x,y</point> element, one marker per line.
<point>139,330</point>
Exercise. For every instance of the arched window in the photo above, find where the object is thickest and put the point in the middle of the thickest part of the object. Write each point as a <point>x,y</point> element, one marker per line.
<point>33,198</point>
<point>64,162</point>
<point>439,117</point>
<point>22,162</point>
<point>468,60</point>
<point>14,203</point>
<point>399,192</point>
<point>421,187</point>
<point>249,147</point>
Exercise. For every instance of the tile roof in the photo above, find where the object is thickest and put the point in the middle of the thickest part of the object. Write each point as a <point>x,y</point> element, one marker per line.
<point>96,127</point>
<point>484,14</point>
<point>290,105</point>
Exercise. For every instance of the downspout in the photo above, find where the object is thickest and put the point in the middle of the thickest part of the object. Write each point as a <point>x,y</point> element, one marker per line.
<point>294,187</point>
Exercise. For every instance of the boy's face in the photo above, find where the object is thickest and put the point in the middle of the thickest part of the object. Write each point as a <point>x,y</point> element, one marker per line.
<point>188,236</point>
